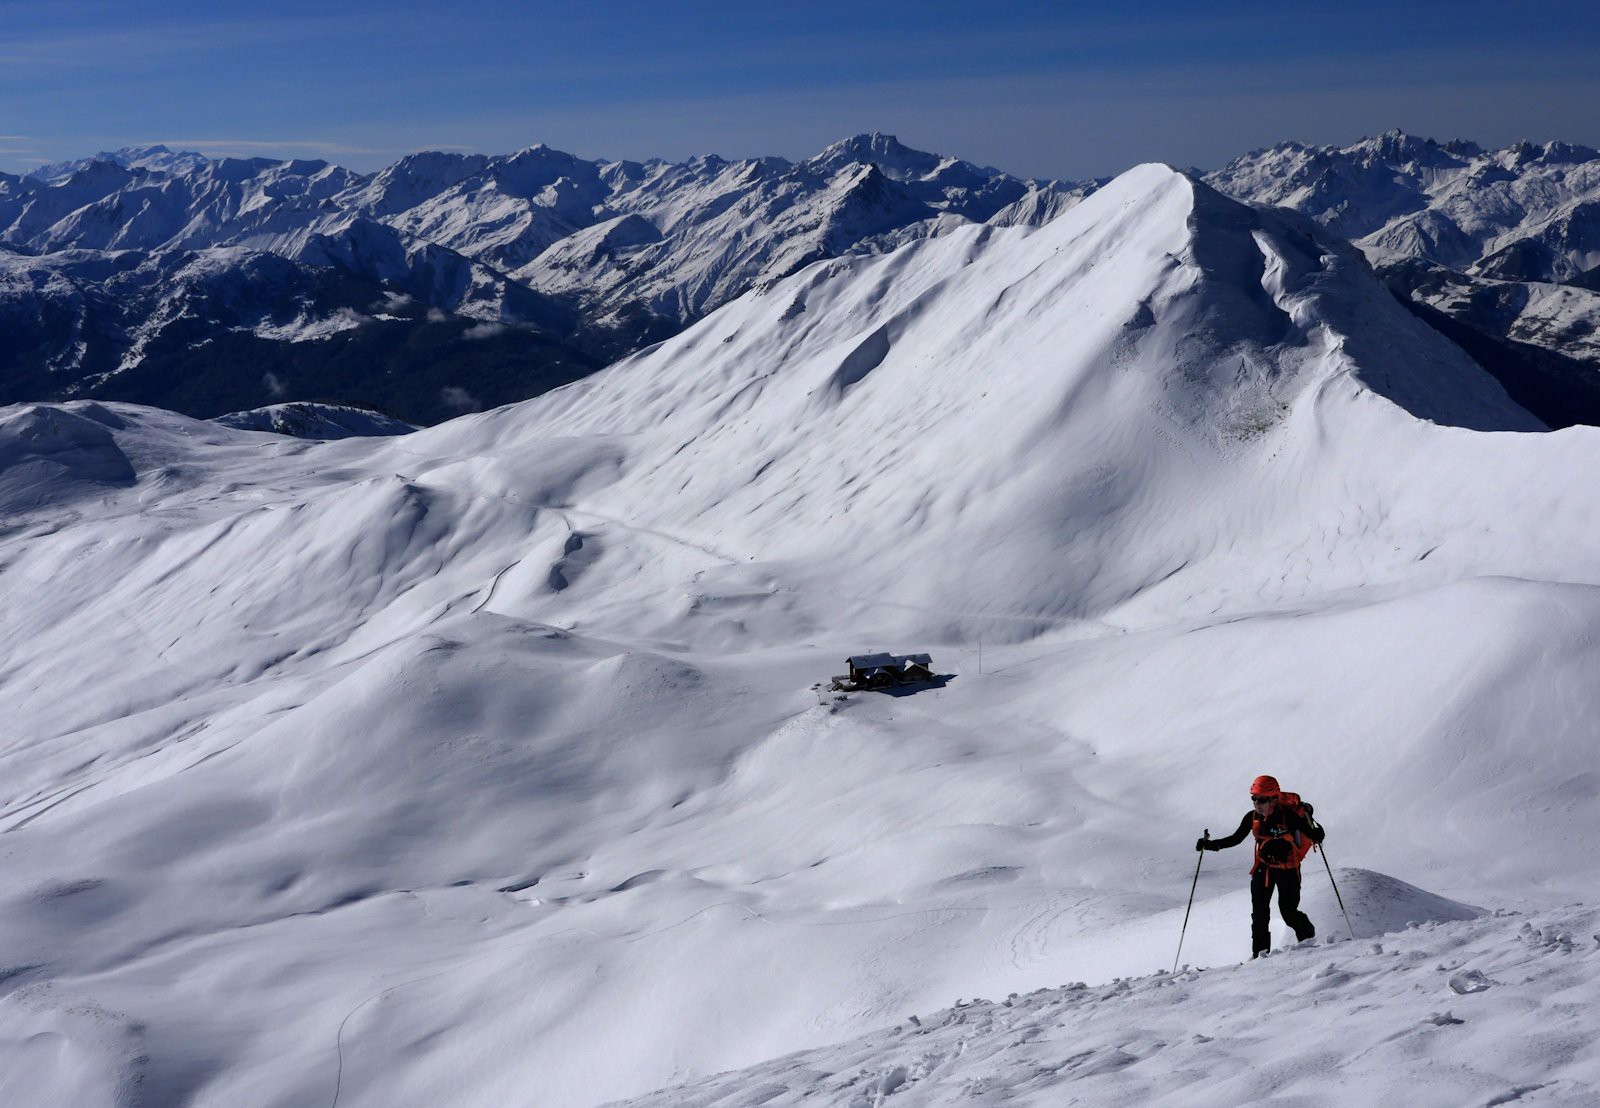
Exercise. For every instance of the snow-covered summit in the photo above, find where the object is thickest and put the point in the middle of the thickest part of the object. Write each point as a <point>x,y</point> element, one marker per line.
<point>1224,321</point>
<point>890,155</point>
<point>155,157</point>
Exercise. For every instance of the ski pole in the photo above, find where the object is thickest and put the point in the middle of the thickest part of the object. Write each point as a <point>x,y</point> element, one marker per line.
<point>1336,895</point>
<point>1194,885</point>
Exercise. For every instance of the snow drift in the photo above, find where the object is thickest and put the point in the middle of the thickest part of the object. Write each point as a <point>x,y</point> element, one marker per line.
<point>1474,1007</point>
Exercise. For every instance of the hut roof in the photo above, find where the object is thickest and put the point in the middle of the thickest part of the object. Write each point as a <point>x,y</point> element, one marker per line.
<point>888,661</point>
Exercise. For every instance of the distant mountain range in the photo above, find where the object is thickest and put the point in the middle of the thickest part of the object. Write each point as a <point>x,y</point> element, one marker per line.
<point>450,282</point>
<point>443,283</point>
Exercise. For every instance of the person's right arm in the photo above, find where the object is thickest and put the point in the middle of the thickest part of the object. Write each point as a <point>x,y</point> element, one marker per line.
<point>1232,840</point>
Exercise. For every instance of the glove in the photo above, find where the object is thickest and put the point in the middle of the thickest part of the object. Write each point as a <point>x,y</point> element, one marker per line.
<point>1203,844</point>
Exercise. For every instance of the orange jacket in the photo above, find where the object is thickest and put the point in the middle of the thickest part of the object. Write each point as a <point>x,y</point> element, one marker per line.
<point>1283,837</point>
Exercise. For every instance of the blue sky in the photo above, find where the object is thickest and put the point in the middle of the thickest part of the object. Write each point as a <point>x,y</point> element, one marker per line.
<point>1054,90</point>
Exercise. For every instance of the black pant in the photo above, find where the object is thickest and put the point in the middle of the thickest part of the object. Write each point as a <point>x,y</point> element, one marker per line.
<point>1287,882</point>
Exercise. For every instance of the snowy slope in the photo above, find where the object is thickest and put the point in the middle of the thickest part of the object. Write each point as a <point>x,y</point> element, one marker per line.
<point>1490,1012</point>
<point>483,765</point>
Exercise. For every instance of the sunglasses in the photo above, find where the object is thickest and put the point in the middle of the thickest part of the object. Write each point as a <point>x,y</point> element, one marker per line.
<point>1261,799</point>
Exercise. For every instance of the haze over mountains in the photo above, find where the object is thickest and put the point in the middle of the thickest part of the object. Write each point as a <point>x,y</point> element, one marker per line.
<point>451,282</point>
<point>485,765</point>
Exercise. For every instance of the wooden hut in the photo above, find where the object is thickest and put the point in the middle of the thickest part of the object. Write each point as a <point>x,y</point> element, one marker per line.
<point>880,671</point>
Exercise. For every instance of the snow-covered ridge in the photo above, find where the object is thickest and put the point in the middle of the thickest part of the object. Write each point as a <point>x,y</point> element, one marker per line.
<point>156,157</point>
<point>1440,1013</point>
<point>1227,323</point>
<point>315,421</point>
<point>588,260</point>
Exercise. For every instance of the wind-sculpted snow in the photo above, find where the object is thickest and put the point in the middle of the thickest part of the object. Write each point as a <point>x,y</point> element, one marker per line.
<point>1452,1014</point>
<point>487,764</point>
<point>49,455</point>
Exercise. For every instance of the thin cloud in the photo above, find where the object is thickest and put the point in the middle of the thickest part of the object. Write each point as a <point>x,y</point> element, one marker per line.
<point>203,145</point>
<point>320,147</point>
<point>139,46</point>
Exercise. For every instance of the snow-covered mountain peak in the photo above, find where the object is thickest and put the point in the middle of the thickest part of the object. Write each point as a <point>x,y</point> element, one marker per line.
<point>1400,147</point>
<point>414,179</point>
<point>1558,151</point>
<point>105,175</point>
<point>1153,240</point>
<point>1521,155</point>
<point>890,155</point>
<point>529,171</point>
<point>156,158</point>
<point>1206,323</point>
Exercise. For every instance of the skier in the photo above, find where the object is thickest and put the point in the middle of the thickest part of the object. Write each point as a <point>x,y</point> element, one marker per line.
<point>1285,833</point>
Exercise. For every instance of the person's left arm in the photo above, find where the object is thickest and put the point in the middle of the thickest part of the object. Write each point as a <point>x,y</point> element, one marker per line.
<point>1310,826</point>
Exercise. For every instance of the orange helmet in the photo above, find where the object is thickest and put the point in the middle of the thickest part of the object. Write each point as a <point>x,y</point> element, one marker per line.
<point>1264,786</point>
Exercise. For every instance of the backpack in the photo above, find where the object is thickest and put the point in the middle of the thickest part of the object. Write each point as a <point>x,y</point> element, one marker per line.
<point>1276,846</point>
